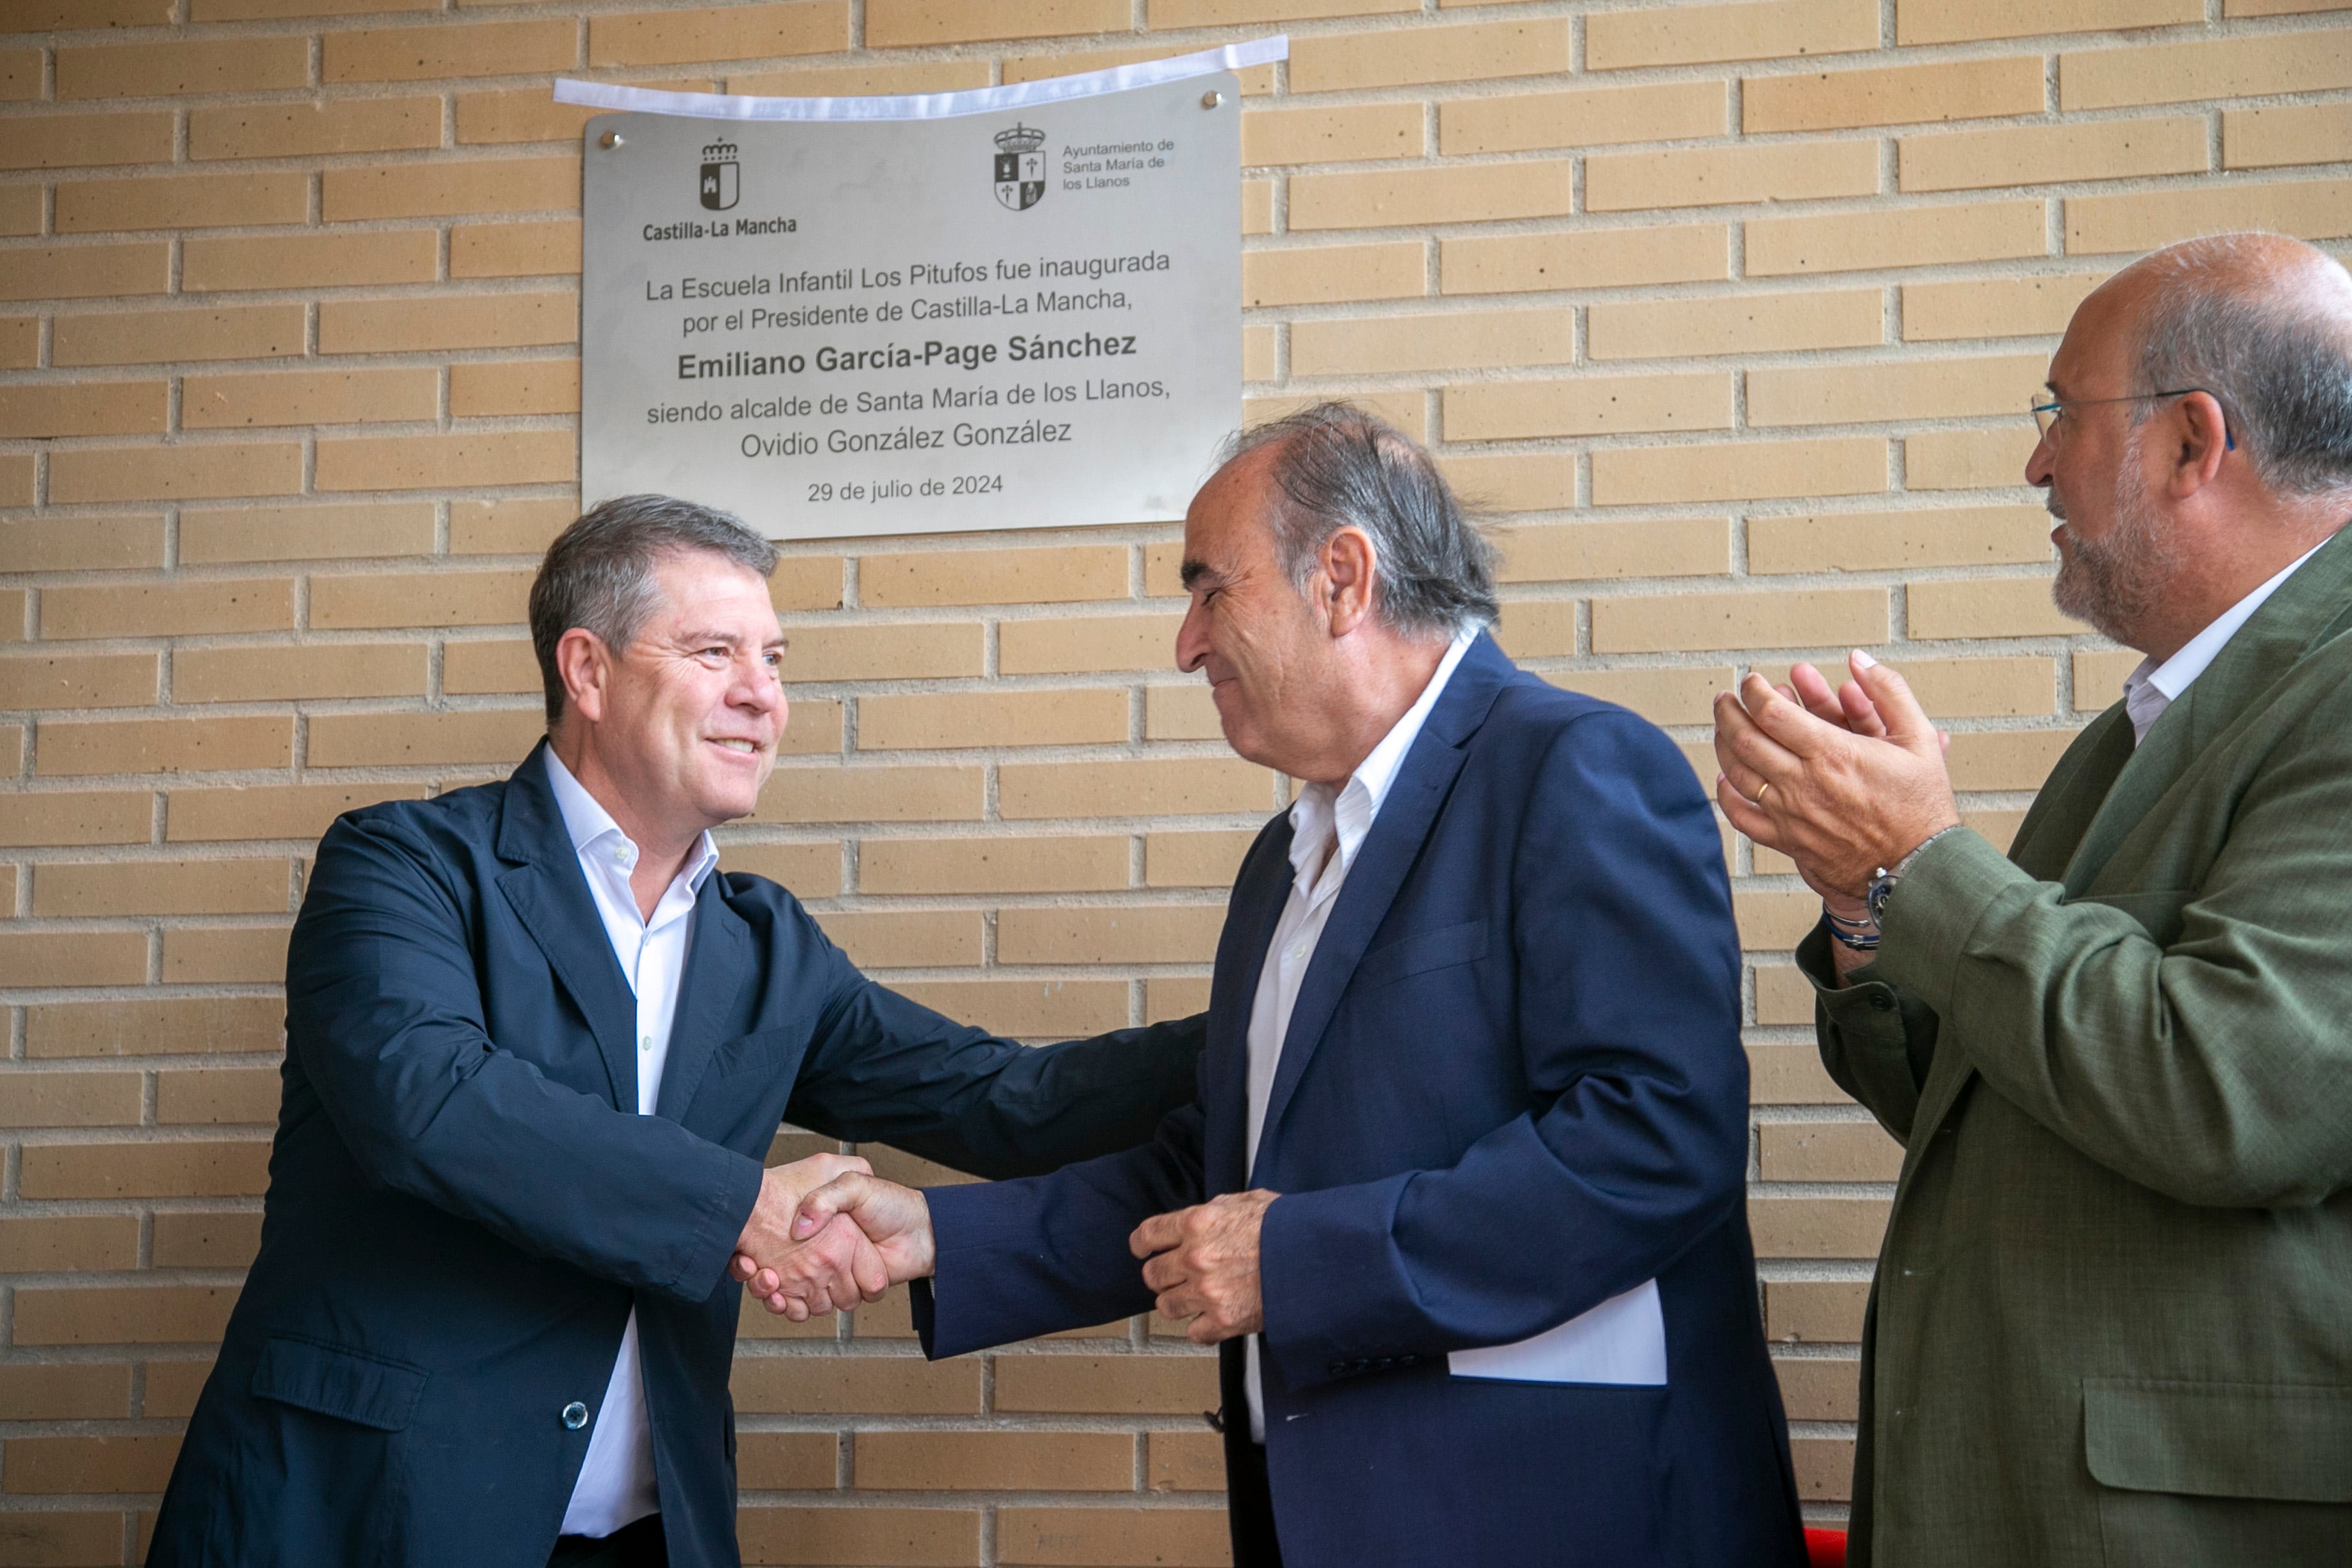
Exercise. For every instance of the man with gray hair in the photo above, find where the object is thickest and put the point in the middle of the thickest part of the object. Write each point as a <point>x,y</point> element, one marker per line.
<point>537,1046</point>
<point>2113,1315</point>
<point>1463,1196</point>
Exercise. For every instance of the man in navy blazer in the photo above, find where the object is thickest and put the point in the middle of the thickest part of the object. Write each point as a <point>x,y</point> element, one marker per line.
<point>1461,1197</point>
<point>536,1049</point>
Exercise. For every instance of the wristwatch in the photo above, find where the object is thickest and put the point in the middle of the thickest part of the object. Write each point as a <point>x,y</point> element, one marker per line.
<point>1882,879</point>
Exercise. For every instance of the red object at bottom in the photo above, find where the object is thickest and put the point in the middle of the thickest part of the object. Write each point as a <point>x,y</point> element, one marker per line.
<point>1825,1547</point>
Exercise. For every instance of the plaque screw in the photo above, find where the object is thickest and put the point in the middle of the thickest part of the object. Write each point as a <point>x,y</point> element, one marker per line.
<point>1211,99</point>
<point>610,140</point>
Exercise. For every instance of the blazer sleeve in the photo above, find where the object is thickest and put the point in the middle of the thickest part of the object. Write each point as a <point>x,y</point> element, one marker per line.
<point>1877,1039</point>
<point>1627,1008</point>
<point>2209,1067</point>
<point>384,1020</point>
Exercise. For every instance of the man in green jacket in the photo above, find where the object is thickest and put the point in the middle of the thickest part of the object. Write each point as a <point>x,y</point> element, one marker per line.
<point>2113,1315</point>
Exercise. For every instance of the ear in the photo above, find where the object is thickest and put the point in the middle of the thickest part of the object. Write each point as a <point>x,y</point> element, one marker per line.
<point>1349,562</point>
<point>587,666</point>
<point>2203,433</point>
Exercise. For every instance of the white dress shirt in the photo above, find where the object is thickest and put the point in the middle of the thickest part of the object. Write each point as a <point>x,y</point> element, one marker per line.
<point>616,1480</point>
<point>2152,688</point>
<point>1327,828</point>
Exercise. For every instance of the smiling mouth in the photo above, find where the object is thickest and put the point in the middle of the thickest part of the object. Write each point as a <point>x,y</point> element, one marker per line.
<point>750,748</point>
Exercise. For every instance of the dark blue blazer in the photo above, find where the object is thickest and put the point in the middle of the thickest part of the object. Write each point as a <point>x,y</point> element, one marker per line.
<point>462,1205</point>
<point>1513,1087</point>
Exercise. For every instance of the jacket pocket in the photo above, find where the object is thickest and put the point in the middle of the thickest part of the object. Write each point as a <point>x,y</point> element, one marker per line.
<point>2280,1442</point>
<point>350,1385</point>
<point>2159,912</point>
<point>1421,952</point>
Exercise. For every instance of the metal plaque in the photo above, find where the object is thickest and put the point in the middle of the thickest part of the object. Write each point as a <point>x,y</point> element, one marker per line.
<point>1020,319</point>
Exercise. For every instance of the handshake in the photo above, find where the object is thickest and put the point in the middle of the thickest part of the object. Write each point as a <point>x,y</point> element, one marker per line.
<point>826,1234</point>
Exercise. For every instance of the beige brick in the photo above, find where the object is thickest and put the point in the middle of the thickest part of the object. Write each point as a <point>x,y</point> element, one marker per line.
<point>422,54</point>
<point>305,532</point>
<point>1113,1538</point>
<point>919,1537</point>
<point>1109,934</point>
<point>164,745</point>
<point>2308,209</point>
<point>1823,618</point>
<point>1455,340</point>
<point>1770,172</point>
<point>1454,193</point>
<point>937,721</point>
<point>2100,149</point>
<point>1828,1152</point>
<point>495,669</point>
<point>1986,607</point>
<point>1824,1468</point>
<point>898,24</point>
<point>2098,676</point>
<point>1981,687</point>
<point>1687,34</point>
<point>182,608</point>
<point>1660,696</point>
<point>71,1391</point>
<point>82,141</point>
<point>308,260</point>
<point>1773,921</point>
<point>82,543</point>
<point>1817,1227</point>
<point>20,341</point>
<point>515,251</point>
<point>302,130</point>
<point>175,473</point>
<point>2010,760</point>
<point>1026,1009</point>
<point>1186,1462</point>
<point>173,1386</point>
<point>125,1314</point>
<point>485,321</point>
<point>1590,259</point>
<point>1995,307</point>
<point>728,33</point>
<point>77,680</point>
<point>785,1461</point>
<point>20,209</point>
<point>276,811</point>
<point>2281,7</point>
<point>1886,540</point>
<point>1967,460</point>
<point>184,66</point>
<point>993,864</point>
<point>1750,470</point>
<point>309,397</point>
<point>1332,135</point>
<point>1190,787</point>
<point>20,75</point>
<point>1584,117</point>
<point>1818,1389</point>
<point>806,583</point>
<point>1003,1461</point>
<point>246,10</point>
<point>1819,1312</point>
<point>1789,1075</point>
<point>1583,551</point>
<point>147,337</point>
<point>864,1386</point>
<point>1537,628</point>
<point>991,577</point>
<point>1783,996</point>
<point>184,1240</point>
<point>1747,323</point>
<point>72,1099</point>
<point>509,527</point>
<point>1257,81</point>
<point>248,887</point>
<point>1914,389</point>
<point>243,956</point>
<point>1897,95</point>
<point>447,462</point>
<point>97,408</point>
<point>419,599</point>
<point>1181,713</point>
<point>1087,644</point>
<point>400,740</point>
<point>519,114</point>
<point>1963,21</point>
<point>181,201</point>
<point>56,1247</point>
<point>1912,237</point>
<point>2272,138</point>
<point>864,80</point>
<point>1170,14</point>
<point>896,793</point>
<point>1106,1386</point>
<point>444,189</point>
<point>1167,998</point>
<point>2250,67</point>
<point>1589,405</point>
<point>147,1170</point>
<point>1399,56</point>
<point>1332,274</point>
<point>527,386</point>
<point>900,650</point>
<point>57,817</point>
<point>84,272</point>
<point>905,939</point>
<point>212,1096</point>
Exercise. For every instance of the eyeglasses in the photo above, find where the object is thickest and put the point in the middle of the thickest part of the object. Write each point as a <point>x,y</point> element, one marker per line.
<point>2046,415</point>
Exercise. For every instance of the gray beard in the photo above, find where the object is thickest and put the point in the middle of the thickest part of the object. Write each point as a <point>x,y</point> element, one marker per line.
<point>2117,582</point>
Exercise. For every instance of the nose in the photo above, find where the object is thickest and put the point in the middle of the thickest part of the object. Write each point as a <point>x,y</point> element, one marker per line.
<point>757,685</point>
<point>1192,636</point>
<point>2038,466</point>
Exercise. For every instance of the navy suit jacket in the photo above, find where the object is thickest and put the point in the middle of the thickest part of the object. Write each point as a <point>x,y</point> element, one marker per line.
<point>1512,1089</point>
<point>464,1205</point>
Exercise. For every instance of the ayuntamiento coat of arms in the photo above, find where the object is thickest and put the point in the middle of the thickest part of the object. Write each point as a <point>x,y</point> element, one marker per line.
<point>1020,167</point>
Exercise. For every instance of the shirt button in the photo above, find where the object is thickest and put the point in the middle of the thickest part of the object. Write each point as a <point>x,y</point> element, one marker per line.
<point>645,1044</point>
<point>575,1417</point>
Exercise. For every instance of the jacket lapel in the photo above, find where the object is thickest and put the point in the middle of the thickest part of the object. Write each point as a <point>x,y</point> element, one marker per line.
<point>548,894</point>
<point>1388,854</point>
<point>1259,894</point>
<point>718,965</point>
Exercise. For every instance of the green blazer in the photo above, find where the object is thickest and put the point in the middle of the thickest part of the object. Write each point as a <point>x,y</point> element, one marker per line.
<point>2113,1313</point>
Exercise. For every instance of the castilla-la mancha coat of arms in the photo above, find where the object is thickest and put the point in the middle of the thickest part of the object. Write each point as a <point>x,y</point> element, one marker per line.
<point>1020,167</point>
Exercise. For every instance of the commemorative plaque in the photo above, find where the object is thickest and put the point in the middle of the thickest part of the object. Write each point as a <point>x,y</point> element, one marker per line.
<point>1015,316</point>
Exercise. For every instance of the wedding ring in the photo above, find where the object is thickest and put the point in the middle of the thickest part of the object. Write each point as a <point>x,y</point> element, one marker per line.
<point>1759,795</point>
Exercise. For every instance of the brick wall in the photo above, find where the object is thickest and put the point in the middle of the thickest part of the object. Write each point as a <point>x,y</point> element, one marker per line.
<point>1730,312</point>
